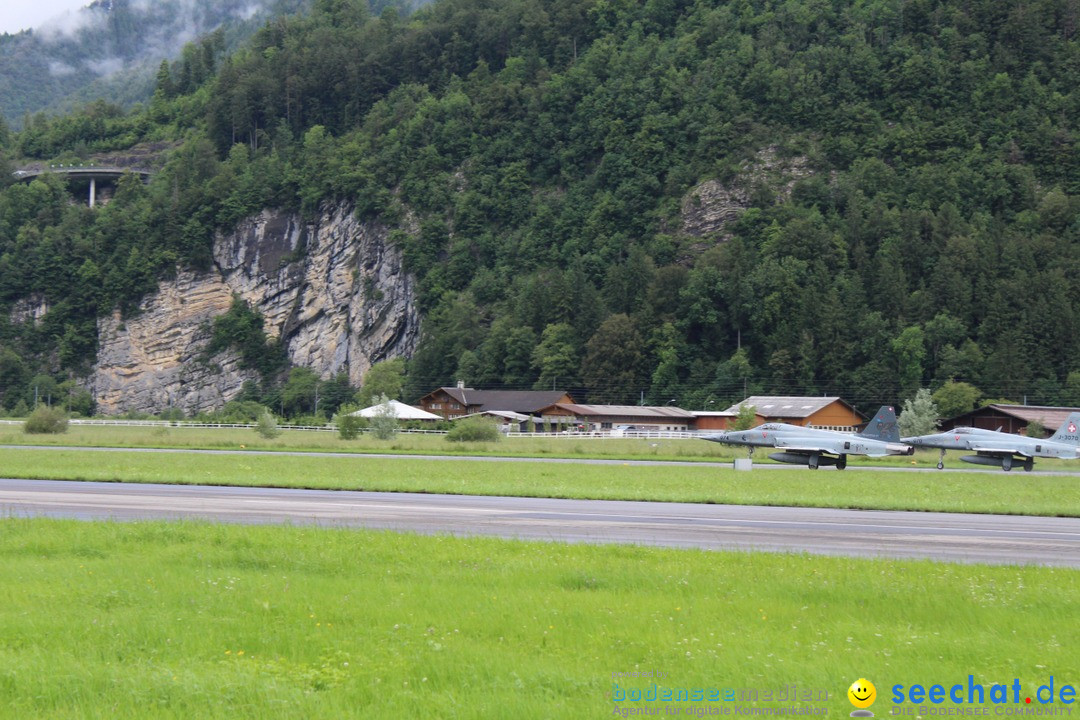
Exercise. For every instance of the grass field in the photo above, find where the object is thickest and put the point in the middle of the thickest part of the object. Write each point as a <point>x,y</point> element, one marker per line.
<point>565,447</point>
<point>404,443</point>
<point>189,620</point>
<point>1005,493</point>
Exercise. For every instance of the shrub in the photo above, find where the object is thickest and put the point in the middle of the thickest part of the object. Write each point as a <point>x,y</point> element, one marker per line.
<point>349,425</point>
<point>308,420</point>
<point>44,420</point>
<point>384,423</point>
<point>238,411</point>
<point>267,426</point>
<point>1036,429</point>
<point>172,415</point>
<point>474,429</point>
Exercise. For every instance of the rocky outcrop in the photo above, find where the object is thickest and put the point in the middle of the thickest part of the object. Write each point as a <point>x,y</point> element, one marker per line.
<point>31,309</point>
<point>710,207</point>
<point>333,290</point>
<point>154,360</point>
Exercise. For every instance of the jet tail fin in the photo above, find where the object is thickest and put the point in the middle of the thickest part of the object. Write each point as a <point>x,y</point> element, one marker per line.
<point>1069,432</point>
<point>883,427</point>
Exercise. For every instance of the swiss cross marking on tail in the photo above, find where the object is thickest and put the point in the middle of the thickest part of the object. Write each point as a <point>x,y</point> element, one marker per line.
<point>1072,427</point>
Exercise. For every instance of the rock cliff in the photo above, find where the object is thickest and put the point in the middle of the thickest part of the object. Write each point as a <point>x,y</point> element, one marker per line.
<point>333,290</point>
<point>710,208</point>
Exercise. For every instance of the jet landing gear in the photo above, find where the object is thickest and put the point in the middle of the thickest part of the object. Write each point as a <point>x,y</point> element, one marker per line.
<point>814,461</point>
<point>941,460</point>
<point>1007,463</point>
<point>841,462</point>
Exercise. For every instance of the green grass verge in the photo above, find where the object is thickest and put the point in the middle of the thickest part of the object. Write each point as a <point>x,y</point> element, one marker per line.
<point>405,444</point>
<point>183,620</point>
<point>1003,493</point>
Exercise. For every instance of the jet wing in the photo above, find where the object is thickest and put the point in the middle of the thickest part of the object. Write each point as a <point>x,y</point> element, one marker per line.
<point>999,450</point>
<point>805,448</point>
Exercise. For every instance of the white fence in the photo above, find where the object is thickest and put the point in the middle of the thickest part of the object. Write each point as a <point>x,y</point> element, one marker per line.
<point>608,435</point>
<point>567,435</point>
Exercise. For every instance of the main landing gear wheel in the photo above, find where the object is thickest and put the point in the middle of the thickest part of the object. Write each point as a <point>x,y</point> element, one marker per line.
<point>841,462</point>
<point>814,461</point>
<point>1006,464</point>
<point>1029,464</point>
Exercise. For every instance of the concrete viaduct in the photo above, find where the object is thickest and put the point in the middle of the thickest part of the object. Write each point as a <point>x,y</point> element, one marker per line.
<point>93,173</point>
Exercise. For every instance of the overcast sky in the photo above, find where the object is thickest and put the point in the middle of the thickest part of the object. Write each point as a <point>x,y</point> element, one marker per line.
<point>16,15</point>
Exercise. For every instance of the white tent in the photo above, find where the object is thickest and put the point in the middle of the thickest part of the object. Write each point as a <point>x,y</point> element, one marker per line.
<point>401,412</point>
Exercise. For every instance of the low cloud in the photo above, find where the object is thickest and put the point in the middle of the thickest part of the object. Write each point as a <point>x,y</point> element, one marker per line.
<point>60,69</point>
<point>174,23</point>
<point>106,66</point>
<point>67,24</point>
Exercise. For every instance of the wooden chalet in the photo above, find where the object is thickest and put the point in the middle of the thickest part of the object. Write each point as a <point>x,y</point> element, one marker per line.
<point>1011,418</point>
<point>454,402</point>
<point>826,413</point>
<point>643,418</point>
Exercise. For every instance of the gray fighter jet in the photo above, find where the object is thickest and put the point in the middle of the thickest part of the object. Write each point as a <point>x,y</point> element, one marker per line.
<point>1003,449</point>
<point>811,447</point>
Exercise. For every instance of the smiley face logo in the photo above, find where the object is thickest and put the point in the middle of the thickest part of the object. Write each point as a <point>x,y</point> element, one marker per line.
<point>862,693</point>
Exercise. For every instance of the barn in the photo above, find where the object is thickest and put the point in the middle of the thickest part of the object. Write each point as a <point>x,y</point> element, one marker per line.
<point>825,412</point>
<point>1011,418</point>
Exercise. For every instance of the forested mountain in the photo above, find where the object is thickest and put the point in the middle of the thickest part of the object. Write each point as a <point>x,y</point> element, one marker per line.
<point>111,49</point>
<point>674,199</point>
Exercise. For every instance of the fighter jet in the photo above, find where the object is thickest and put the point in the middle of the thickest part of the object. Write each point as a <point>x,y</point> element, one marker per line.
<point>1004,449</point>
<point>813,448</point>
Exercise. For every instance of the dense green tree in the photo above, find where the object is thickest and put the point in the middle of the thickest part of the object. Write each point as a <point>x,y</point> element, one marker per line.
<point>746,418</point>
<point>956,398</point>
<point>919,415</point>
<point>556,358</point>
<point>299,394</point>
<point>13,376</point>
<point>613,367</point>
<point>383,378</point>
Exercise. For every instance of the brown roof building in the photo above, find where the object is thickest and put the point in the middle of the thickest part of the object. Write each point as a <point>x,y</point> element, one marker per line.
<point>453,402</point>
<point>1011,418</point>
<point>643,418</point>
<point>829,413</point>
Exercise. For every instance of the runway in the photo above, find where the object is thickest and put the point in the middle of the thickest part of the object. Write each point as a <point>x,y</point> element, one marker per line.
<point>940,536</point>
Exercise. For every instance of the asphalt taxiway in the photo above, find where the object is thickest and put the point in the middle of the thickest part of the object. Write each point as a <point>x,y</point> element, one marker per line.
<point>939,536</point>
